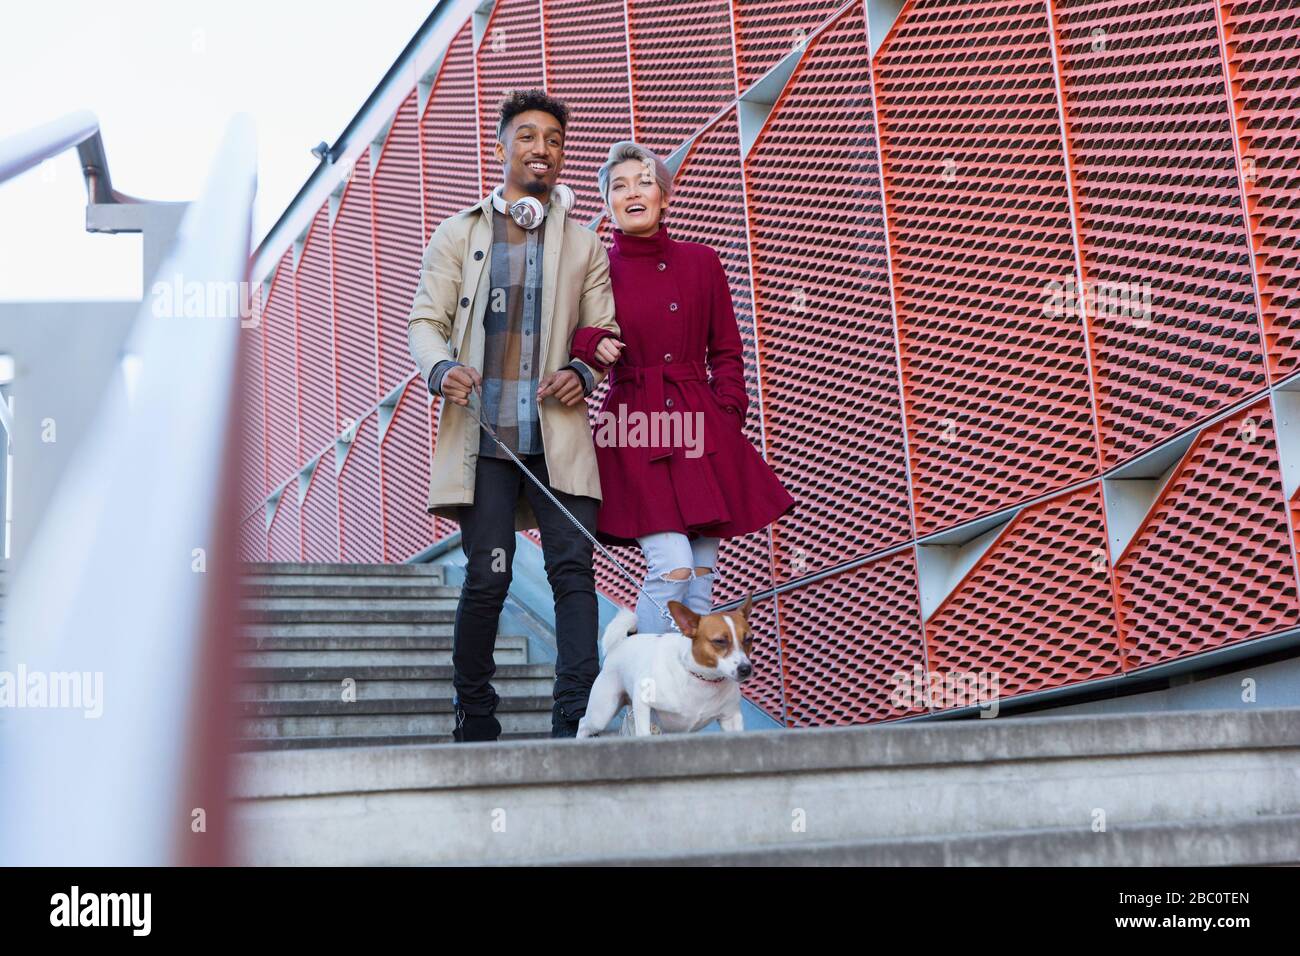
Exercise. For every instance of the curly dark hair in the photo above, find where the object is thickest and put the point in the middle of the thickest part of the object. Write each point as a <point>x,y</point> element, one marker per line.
<point>519,101</point>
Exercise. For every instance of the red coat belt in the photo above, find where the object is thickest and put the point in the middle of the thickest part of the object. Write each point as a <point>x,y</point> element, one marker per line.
<point>652,377</point>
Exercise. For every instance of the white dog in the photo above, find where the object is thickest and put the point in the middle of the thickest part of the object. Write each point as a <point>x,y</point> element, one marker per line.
<point>688,680</point>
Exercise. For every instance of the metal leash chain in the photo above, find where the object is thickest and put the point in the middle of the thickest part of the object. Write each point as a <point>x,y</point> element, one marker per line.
<point>578,524</point>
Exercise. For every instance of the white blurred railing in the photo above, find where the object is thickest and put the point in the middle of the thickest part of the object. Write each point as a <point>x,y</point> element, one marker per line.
<point>130,581</point>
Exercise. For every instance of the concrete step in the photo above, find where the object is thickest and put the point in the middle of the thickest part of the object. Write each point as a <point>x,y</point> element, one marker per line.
<point>314,630</point>
<point>391,740</point>
<point>1248,841</point>
<point>373,681</point>
<point>367,651</point>
<point>287,569</point>
<point>375,592</point>
<point>618,799</point>
<point>368,658</point>
<point>380,717</point>
<point>413,582</point>
<point>360,615</point>
<point>401,640</point>
<point>257,608</point>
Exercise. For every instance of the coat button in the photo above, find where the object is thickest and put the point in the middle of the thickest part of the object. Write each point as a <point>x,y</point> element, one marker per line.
<point>668,402</point>
<point>672,306</point>
<point>668,357</point>
<point>464,301</point>
<point>663,266</point>
<point>478,253</point>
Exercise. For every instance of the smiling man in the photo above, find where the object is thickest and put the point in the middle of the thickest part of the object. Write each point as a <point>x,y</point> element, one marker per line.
<point>504,284</point>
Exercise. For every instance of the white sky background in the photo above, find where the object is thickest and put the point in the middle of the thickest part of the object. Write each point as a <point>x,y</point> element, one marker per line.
<point>164,79</point>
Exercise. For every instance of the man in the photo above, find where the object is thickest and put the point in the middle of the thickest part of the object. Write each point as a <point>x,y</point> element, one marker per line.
<point>490,331</point>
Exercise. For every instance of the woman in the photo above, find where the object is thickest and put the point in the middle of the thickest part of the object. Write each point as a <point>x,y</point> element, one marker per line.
<point>677,491</point>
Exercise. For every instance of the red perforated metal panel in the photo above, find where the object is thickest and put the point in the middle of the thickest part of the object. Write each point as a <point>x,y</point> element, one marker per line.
<point>998,401</point>
<point>1175,329</point>
<point>509,58</point>
<point>352,245</point>
<point>1036,610</point>
<point>316,384</point>
<point>611,583</point>
<point>252,411</point>
<point>683,68</point>
<point>317,390</point>
<point>252,539</point>
<point>1212,563</point>
<point>846,638</point>
<point>768,30</point>
<point>450,167</point>
<point>1294,505</point>
<point>283,452</point>
<point>1263,55</point>
<point>398,242</point>
<point>830,369</point>
<point>763,690</point>
<point>320,514</point>
<point>252,437</point>
<point>285,534</point>
<point>360,532</point>
<point>404,459</point>
<point>586,67</point>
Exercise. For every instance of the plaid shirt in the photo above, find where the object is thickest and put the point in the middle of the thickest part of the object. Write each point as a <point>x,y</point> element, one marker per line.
<point>512,341</point>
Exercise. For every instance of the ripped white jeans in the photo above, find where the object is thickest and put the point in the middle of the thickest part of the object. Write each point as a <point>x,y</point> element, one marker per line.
<point>668,551</point>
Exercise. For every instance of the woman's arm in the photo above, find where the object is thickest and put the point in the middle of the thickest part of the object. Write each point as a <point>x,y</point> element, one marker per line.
<point>595,320</point>
<point>726,356</point>
<point>584,345</point>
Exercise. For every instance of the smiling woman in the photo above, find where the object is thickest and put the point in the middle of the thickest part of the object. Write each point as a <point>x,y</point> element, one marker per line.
<point>680,355</point>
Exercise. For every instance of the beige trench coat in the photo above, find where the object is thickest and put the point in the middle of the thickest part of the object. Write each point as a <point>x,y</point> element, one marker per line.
<point>446,322</point>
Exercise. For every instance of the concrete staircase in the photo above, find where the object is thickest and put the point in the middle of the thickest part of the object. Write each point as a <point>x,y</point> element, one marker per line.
<point>1183,788</point>
<point>344,655</point>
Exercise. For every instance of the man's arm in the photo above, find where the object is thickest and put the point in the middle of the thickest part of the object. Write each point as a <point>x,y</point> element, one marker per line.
<point>433,312</point>
<point>596,310</point>
<point>439,372</point>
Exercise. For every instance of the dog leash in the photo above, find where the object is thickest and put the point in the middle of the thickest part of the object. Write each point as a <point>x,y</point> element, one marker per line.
<point>476,391</point>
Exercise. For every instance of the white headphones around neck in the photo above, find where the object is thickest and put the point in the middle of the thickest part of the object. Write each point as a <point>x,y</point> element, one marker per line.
<point>528,211</point>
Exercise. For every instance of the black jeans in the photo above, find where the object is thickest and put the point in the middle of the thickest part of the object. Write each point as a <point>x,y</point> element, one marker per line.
<point>488,539</point>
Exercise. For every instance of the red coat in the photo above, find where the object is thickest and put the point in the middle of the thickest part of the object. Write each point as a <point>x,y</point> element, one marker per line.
<point>673,305</point>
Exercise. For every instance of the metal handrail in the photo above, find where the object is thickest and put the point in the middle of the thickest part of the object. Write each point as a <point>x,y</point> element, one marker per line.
<point>23,151</point>
<point>132,575</point>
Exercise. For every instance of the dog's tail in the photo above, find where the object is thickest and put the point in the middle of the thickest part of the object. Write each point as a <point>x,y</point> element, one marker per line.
<point>624,623</point>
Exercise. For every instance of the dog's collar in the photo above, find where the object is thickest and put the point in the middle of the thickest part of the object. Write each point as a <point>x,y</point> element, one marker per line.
<point>707,680</point>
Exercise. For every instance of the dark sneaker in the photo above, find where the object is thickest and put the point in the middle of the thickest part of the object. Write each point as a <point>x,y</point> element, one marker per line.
<point>562,724</point>
<point>473,728</point>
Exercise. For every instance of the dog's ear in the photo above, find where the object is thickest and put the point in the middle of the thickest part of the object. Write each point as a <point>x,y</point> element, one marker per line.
<point>686,619</point>
<point>748,605</point>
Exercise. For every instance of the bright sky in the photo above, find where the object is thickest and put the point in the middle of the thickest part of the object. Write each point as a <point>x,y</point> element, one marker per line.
<point>164,79</point>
